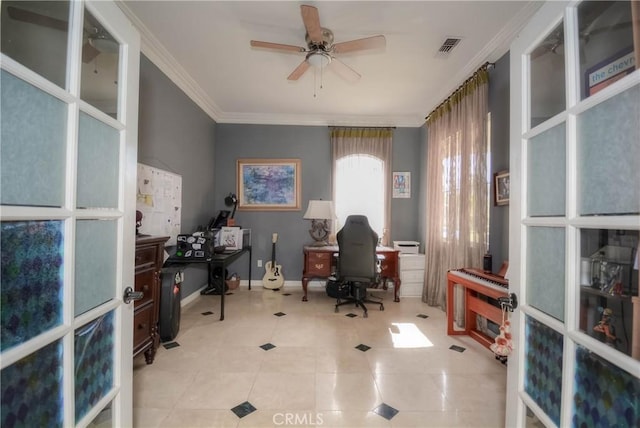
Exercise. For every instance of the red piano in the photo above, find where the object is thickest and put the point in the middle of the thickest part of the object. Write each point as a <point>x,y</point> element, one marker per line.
<point>479,288</point>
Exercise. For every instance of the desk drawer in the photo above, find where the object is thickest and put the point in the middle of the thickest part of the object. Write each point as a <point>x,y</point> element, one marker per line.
<point>411,261</point>
<point>142,325</point>
<point>144,281</point>
<point>388,267</point>
<point>145,255</point>
<point>411,276</point>
<point>319,264</point>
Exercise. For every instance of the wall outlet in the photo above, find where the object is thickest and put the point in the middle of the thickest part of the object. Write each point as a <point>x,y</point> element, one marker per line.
<point>259,263</point>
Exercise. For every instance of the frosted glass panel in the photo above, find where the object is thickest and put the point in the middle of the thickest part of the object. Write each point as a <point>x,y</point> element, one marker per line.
<point>32,154</point>
<point>98,164</point>
<point>546,270</point>
<point>93,362</point>
<point>35,33</point>
<point>547,172</point>
<point>31,279</point>
<point>609,156</point>
<point>95,263</point>
<point>32,390</point>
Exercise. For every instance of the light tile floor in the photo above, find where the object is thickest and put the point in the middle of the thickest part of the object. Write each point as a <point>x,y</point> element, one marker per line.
<point>315,376</point>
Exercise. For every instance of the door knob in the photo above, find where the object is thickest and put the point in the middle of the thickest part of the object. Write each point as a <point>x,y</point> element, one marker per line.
<point>130,295</point>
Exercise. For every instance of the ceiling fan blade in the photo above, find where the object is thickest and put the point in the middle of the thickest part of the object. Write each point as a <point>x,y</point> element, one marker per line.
<point>299,71</point>
<point>36,18</point>
<point>373,42</point>
<point>344,70</point>
<point>89,52</point>
<point>277,46</point>
<point>311,21</point>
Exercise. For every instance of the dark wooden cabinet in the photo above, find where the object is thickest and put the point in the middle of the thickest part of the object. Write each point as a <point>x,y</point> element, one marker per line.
<point>148,264</point>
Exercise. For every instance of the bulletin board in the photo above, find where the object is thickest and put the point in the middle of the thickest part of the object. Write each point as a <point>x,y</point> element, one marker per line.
<point>159,198</point>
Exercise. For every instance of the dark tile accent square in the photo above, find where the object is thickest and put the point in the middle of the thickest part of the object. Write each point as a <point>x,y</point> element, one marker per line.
<point>170,345</point>
<point>268,346</point>
<point>351,315</point>
<point>385,411</point>
<point>242,410</point>
<point>207,313</point>
<point>279,314</point>
<point>286,294</point>
<point>457,348</point>
<point>363,348</point>
<point>422,316</point>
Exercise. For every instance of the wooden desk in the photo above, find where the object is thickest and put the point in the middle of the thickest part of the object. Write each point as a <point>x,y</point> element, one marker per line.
<point>475,287</point>
<point>319,263</point>
<point>221,261</point>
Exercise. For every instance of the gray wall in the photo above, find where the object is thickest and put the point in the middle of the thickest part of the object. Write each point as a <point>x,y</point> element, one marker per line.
<point>310,144</point>
<point>177,136</point>
<point>499,108</point>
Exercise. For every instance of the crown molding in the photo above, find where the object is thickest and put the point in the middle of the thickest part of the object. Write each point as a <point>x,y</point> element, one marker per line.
<point>496,48</point>
<point>158,55</point>
<point>325,120</point>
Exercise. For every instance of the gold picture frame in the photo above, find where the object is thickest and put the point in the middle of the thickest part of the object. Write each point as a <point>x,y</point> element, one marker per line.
<point>501,188</point>
<point>268,184</point>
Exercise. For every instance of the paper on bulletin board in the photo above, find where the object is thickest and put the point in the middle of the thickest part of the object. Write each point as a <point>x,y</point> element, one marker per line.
<point>159,198</point>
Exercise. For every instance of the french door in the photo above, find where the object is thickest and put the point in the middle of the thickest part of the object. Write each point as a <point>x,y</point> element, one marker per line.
<point>69,93</point>
<point>574,217</point>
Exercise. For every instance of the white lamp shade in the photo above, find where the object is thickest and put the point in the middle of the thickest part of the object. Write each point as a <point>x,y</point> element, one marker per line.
<point>320,210</point>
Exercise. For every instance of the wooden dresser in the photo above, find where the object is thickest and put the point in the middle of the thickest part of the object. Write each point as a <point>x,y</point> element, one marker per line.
<point>148,264</point>
<point>319,263</point>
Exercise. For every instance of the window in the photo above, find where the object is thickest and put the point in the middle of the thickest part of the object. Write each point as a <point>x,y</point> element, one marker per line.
<point>360,189</point>
<point>361,159</point>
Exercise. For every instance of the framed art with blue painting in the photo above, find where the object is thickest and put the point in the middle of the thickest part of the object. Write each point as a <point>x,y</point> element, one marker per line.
<point>268,184</point>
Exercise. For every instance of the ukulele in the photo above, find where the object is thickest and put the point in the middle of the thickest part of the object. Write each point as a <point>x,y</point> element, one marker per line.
<point>273,278</point>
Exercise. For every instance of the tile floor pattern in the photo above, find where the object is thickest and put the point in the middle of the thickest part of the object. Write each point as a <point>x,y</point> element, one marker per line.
<point>276,361</point>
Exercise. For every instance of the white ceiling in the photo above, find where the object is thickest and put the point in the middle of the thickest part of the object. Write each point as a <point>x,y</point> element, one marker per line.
<point>203,46</point>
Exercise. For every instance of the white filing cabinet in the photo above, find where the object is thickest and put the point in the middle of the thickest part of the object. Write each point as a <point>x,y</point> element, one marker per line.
<point>411,274</point>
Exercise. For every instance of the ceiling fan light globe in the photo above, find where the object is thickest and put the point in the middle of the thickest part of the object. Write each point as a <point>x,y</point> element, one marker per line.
<point>319,59</point>
<point>104,45</point>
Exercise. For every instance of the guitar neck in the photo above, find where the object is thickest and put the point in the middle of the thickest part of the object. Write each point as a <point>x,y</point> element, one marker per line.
<point>274,239</point>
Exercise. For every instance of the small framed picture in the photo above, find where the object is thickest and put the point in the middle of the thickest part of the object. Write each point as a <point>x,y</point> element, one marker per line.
<point>401,185</point>
<point>501,188</point>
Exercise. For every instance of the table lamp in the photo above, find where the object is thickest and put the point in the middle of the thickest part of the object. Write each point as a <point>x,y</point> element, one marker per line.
<point>320,212</point>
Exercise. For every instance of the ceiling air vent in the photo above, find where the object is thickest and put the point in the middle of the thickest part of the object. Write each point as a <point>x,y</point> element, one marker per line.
<point>448,45</point>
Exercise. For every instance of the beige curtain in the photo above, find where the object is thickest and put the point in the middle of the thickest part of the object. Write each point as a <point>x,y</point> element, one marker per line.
<point>365,141</point>
<point>457,188</point>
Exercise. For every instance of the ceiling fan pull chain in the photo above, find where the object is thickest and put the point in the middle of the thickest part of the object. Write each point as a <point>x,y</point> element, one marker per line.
<point>315,74</point>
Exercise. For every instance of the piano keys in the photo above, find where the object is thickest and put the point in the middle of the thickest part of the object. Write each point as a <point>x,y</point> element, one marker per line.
<point>476,284</point>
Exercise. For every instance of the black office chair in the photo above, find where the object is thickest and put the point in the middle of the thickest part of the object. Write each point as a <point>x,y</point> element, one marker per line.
<point>357,261</point>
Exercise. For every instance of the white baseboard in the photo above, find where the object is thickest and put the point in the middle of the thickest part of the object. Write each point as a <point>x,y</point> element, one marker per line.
<point>256,285</point>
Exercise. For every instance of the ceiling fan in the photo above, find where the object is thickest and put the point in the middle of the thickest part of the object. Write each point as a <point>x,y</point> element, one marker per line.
<point>321,50</point>
<point>96,39</point>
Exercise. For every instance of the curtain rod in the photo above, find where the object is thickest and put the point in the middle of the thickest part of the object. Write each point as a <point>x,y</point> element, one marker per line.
<point>362,127</point>
<point>486,66</point>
